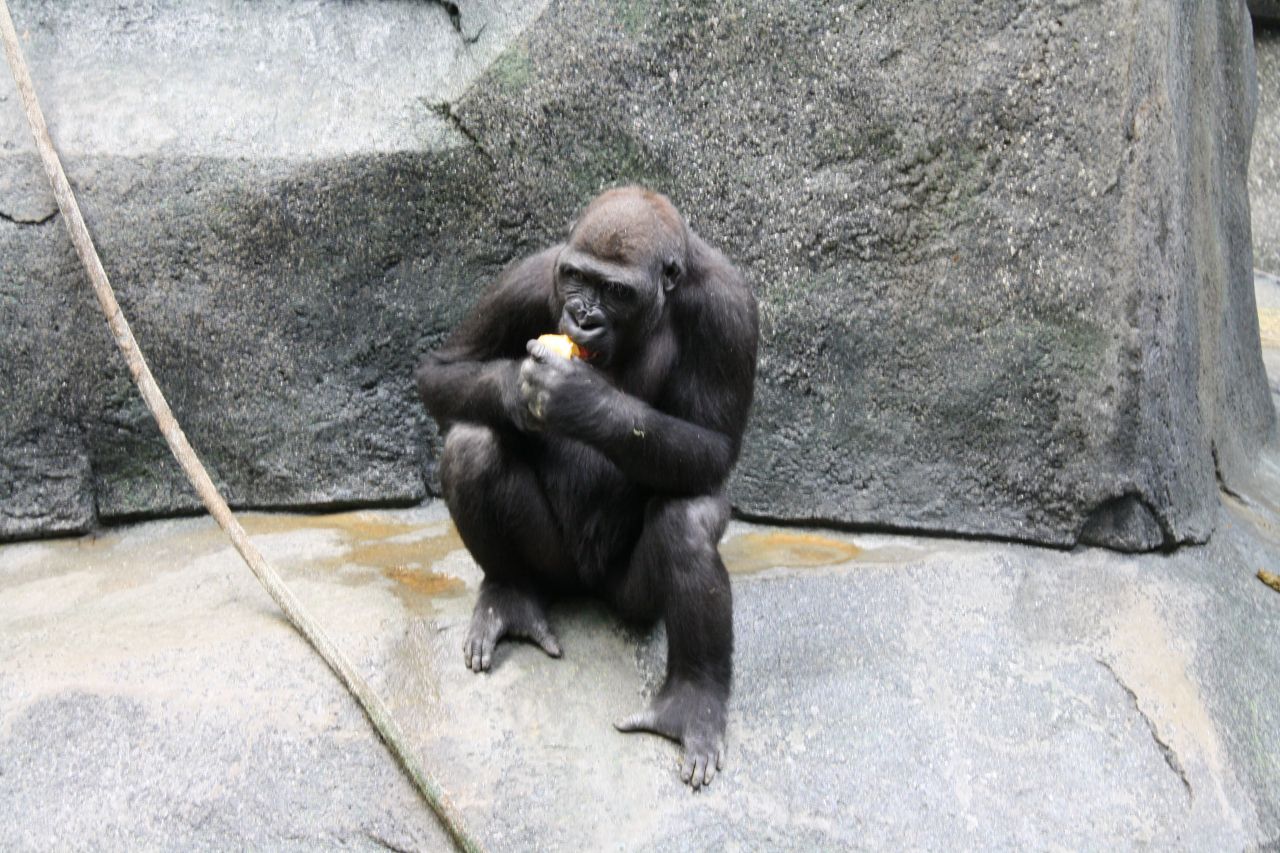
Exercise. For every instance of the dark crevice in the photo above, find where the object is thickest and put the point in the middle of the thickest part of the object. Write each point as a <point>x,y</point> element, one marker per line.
<point>1169,544</point>
<point>455,14</point>
<point>18,220</point>
<point>50,532</point>
<point>310,508</point>
<point>455,18</point>
<point>384,844</point>
<point>1170,757</point>
<point>1222,482</point>
<point>1166,542</point>
<point>895,530</point>
<point>1128,523</point>
<point>445,110</point>
<point>472,39</point>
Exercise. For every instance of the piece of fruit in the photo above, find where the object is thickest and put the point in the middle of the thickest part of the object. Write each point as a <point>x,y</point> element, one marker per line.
<point>561,345</point>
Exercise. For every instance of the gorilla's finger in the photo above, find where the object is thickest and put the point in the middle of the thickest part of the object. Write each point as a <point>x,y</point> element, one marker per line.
<point>547,641</point>
<point>538,352</point>
<point>642,721</point>
<point>699,769</point>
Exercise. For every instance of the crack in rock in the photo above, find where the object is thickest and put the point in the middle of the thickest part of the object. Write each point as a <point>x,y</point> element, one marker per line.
<point>384,843</point>
<point>21,220</point>
<point>445,110</point>
<point>455,18</point>
<point>1170,756</point>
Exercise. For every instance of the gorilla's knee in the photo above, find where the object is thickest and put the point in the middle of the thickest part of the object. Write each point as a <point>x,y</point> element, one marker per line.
<point>471,457</point>
<point>690,525</point>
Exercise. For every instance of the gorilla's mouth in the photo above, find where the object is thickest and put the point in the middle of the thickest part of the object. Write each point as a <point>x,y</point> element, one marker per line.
<point>583,353</point>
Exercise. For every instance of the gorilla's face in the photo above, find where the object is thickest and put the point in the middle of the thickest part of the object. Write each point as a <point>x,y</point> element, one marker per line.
<point>607,308</point>
<point>623,257</point>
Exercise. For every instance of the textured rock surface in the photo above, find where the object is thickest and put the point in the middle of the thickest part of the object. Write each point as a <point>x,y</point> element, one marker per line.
<point>1000,293</point>
<point>941,695</point>
<point>272,186</point>
<point>1264,164</point>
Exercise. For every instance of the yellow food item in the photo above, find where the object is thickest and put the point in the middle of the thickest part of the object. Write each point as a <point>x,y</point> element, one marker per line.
<point>561,345</point>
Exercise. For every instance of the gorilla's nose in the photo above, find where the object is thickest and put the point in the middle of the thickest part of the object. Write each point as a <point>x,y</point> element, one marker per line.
<point>590,319</point>
<point>584,315</point>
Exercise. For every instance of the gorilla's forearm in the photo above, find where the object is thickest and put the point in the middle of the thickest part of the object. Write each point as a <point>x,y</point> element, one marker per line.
<point>655,449</point>
<point>478,391</point>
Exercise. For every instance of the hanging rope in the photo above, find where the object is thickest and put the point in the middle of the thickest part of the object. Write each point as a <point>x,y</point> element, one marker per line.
<point>373,706</point>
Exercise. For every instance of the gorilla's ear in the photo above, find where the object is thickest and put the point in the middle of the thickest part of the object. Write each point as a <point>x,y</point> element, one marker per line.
<point>672,272</point>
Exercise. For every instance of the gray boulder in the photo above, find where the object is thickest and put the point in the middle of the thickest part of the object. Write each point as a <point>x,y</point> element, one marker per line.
<point>1002,251</point>
<point>287,214</point>
<point>1264,164</point>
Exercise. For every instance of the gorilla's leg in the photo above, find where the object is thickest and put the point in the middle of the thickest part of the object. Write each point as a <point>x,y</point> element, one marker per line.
<point>503,518</point>
<point>676,573</point>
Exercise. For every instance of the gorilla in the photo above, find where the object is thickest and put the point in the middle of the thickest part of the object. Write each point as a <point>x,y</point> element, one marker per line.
<point>605,474</point>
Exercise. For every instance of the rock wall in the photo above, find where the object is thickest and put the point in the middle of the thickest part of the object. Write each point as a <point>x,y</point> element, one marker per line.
<point>1002,250</point>
<point>1264,164</point>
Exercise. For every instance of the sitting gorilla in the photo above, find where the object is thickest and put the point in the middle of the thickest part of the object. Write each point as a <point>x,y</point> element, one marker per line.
<point>605,474</point>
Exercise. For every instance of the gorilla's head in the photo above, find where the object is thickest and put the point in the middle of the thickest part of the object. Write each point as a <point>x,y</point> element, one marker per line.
<point>625,254</point>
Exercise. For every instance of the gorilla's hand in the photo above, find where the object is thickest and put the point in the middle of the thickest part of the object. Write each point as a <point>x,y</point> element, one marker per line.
<point>561,394</point>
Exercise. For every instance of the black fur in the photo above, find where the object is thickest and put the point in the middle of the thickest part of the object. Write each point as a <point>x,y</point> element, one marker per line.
<point>606,475</point>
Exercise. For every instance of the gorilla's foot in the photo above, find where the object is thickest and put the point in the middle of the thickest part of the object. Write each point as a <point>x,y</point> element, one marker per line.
<point>504,611</point>
<point>694,715</point>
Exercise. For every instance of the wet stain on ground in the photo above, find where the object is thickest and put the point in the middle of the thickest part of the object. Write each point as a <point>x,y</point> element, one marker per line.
<point>364,546</point>
<point>1259,513</point>
<point>758,551</point>
<point>427,583</point>
<point>357,526</point>
<point>747,553</point>
<point>401,551</point>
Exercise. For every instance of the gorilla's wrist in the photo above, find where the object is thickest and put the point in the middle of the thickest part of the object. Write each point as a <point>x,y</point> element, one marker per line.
<point>514,411</point>
<point>613,416</point>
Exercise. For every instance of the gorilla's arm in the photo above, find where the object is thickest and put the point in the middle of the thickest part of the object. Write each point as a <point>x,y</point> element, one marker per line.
<point>686,441</point>
<point>473,377</point>
<point>664,452</point>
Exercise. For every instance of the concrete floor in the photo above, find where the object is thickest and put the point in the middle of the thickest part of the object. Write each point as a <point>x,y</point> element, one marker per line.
<point>891,692</point>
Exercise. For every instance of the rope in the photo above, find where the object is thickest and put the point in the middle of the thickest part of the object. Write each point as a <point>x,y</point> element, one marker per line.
<point>369,701</point>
